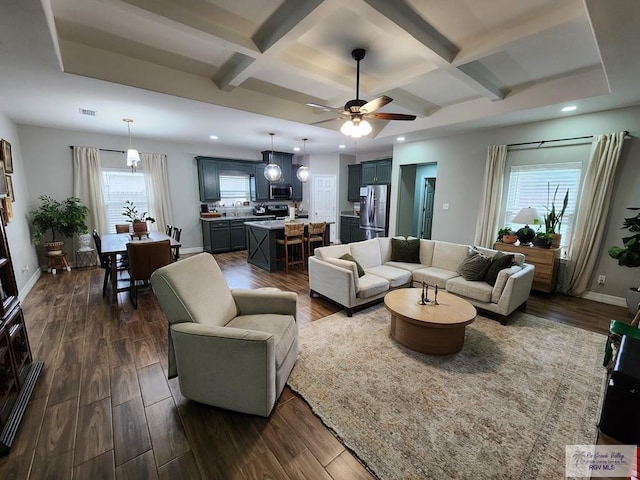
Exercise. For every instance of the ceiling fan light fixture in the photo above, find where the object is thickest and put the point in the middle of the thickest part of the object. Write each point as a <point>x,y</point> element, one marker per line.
<point>356,128</point>
<point>272,171</point>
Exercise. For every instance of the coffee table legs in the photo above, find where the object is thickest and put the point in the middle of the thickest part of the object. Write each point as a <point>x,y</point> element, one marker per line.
<point>424,338</point>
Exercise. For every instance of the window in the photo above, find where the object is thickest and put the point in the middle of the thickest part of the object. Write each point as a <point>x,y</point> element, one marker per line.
<point>234,188</point>
<point>534,186</point>
<point>118,186</point>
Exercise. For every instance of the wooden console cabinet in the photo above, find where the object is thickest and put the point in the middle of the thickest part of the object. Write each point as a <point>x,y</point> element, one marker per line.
<point>546,261</point>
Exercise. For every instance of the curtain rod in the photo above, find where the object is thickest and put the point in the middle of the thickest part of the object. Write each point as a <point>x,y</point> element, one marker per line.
<point>104,149</point>
<point>541,142</point>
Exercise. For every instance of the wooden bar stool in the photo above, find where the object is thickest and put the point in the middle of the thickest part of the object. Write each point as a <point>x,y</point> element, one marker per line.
<point>315,234</point>
<point>293,243</point>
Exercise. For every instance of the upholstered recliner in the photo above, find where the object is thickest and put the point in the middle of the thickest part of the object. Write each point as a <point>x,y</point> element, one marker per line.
<point>232,349</point>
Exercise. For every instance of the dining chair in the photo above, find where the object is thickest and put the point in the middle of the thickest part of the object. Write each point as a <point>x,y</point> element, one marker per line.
<point>105,261</point>
<point>122,227</point>
<point>168,229</point>
<point>144,259</point>
<point>176,233</point>
<point>293,245</point>
<point>315,234</point>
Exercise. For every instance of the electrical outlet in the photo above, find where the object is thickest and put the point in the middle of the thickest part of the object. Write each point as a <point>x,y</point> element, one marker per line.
<point>601,279</point>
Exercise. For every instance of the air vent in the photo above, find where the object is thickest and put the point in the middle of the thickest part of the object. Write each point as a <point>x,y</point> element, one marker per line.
<point>84,111</point>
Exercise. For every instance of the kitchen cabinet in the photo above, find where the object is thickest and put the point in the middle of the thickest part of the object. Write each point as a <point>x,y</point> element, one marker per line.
<point>546,261</point>
<point>216,236</point>
<point>350,229</point>
<point>262,184</point>
<point>376,172</point>
<point>237,235</point>
<point>283,160</point>
<point>208,179</point>
<point>296,185</point>
<point>354,182</point>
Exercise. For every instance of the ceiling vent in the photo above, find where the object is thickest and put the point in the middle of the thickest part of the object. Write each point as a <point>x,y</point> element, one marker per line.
<point>84,111</point>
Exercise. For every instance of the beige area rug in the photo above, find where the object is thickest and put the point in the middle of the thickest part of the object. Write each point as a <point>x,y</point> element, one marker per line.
<point>502,408</point>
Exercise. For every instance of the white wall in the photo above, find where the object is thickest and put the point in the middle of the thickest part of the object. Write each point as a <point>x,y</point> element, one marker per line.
<point>461,162</point>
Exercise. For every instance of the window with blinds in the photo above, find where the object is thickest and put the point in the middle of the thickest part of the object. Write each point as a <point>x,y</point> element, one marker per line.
<point>534,186</point>
<point>234,188</point>
<point>118,186</point>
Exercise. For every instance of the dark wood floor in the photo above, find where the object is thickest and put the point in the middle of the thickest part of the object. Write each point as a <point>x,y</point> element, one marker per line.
<point>103,407</point>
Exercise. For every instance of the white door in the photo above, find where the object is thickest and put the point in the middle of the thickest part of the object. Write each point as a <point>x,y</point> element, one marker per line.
<point>324,202</point>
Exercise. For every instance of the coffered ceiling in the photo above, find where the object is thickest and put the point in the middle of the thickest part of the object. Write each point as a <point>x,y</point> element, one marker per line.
<point>241,68</point>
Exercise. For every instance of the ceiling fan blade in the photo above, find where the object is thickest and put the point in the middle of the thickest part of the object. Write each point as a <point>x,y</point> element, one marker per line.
<point>326,108</point>
<point>375,104</point>
<point>391,116</point>
<point>327,120</point>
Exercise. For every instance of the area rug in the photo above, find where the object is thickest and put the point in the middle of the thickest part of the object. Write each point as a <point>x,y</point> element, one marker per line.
<point>502,408</point>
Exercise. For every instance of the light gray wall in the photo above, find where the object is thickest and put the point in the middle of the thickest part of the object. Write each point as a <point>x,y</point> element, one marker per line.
<point>461,162</point>
<point>23,253</point>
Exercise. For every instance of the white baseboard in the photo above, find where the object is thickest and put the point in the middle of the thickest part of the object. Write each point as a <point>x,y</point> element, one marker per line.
<point>191,250</point>
<point>604,298</point>
<point>29,285</point>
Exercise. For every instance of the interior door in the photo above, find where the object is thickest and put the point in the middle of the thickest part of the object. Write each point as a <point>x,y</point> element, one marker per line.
<point>427,207</point>
<point>324,198</point>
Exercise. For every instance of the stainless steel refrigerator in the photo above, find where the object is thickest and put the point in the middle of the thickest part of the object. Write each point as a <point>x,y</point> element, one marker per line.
<point>374,211</point>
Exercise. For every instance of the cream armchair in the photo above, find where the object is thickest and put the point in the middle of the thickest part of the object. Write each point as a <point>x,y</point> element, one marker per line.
<point>232,349</point>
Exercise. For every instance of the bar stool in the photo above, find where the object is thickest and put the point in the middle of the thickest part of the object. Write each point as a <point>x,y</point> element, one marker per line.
<point>294,238</point>
<point>315,234</point>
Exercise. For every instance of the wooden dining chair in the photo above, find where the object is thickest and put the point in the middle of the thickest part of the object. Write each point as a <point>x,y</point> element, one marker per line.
<point>293,245</point>
<point>176,233</point>
<point>144,259</point>
<point>105,261</point>
<point>122,227</point>
<point>315,235</point>
<point>168,229</point>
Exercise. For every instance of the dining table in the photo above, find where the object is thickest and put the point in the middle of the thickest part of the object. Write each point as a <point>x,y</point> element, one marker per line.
<point>114,244</point>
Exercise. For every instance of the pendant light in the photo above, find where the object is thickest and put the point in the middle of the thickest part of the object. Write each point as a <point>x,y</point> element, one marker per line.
<point>133,157</point>
<point>272,171</point>
<point>303,171</point>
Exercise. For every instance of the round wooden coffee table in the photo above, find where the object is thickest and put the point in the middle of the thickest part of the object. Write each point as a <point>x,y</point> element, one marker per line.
<point>431,329</point>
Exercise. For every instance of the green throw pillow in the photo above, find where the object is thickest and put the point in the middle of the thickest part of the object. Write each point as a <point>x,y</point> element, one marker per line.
<point>474,267</point>
<point>405,250</point>
<point>498,262</point>
<point>349,257</point>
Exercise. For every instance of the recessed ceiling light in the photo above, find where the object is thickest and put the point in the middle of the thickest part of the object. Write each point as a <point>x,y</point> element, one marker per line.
<point>400,139</point>
<point>296,149</point>
<point>570,108</point>
<point>341,146</point>
<point>213,137</point>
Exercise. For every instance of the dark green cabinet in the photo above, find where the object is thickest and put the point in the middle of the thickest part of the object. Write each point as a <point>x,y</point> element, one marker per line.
<point>208,180</point>
<point>376,172</point>
<point>350,229</point>
<point>262,184</point>
<point>355,181</point>
<point>296,185</point>
<point>221,236</point>
<point>237,235</point>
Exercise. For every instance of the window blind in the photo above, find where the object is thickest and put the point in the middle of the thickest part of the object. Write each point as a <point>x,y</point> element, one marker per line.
<point>118,186</point>
<point>234,188</point>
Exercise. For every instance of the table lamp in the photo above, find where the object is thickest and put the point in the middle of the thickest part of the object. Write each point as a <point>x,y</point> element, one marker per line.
<point>526,216</point>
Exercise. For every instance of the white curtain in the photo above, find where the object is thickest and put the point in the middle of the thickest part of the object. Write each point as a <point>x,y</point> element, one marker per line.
<point>87,186</point>
<point>487,224</point>
<point>595,197</point>
<point>156,179</point>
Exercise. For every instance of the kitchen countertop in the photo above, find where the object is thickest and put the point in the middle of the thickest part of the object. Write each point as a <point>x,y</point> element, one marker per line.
<point>277,224</point>
<point>349,214</point>
<point>239,217</point>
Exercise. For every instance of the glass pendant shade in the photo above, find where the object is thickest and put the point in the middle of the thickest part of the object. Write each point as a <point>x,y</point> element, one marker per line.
<point>272,172</point>
<point>303,174</point>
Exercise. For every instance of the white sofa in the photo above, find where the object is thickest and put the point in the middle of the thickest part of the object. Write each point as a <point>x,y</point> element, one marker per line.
<point>337,279</point>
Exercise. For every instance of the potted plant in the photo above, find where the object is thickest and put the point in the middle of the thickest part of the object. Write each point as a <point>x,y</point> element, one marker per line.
<point>139,220</point>
<point>59,219</point>
<point>629,256</point>
<point>543,239</point>
<point>506,235</point>
<point>553,218</point>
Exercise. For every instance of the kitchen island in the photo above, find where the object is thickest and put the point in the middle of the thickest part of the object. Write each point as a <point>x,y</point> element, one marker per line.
<point>261,241</point>
<point>226,234</point>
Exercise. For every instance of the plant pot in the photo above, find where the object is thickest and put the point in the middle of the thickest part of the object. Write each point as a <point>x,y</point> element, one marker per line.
<point>139,227</point>
<point>633,299</point>
<point>556,238</point>
<point>54,248</point>
<point>509,238</point>
<point>542,242</point>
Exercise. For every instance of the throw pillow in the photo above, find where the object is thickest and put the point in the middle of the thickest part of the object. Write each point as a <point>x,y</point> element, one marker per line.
<point>498,262</point>
<point>474,267</point>
<point>349,257</point>
<point>405,250</point>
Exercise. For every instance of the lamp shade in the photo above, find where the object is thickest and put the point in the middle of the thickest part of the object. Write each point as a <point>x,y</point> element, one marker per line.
<point>356,128</point>
<point>526,216</point>
<point>133,157</point>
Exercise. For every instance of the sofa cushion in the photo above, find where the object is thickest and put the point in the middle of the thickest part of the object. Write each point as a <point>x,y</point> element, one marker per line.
<point>371,285</point>
<point>447,256</point>
<point>395,276</point>
<point>405,266</point>
<point>474,266</point>
<point>426,252</point>
<point>404,250</point>
<point>501,281</point>
<point>518,258</point>
<point>385,248</point>
<point>347,265</point>
<point>498,262</point>
<point>480,291</point>
<point>349,258</point>
<point>367,253</point>
<point>332,251</point>
<point>433,276</point>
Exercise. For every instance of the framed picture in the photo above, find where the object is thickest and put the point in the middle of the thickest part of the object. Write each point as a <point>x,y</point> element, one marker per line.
<point>9,182</point>
<point>5,151</point>
<point>7,210</point>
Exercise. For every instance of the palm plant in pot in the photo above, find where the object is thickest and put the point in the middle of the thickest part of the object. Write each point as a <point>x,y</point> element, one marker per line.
<point>553,217</point>
<point>139,220</point>
<point>57,220</point>
<point>629,256</point>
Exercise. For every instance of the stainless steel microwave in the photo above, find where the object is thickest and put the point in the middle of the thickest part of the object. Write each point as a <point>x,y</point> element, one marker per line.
<point>279,191</point>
